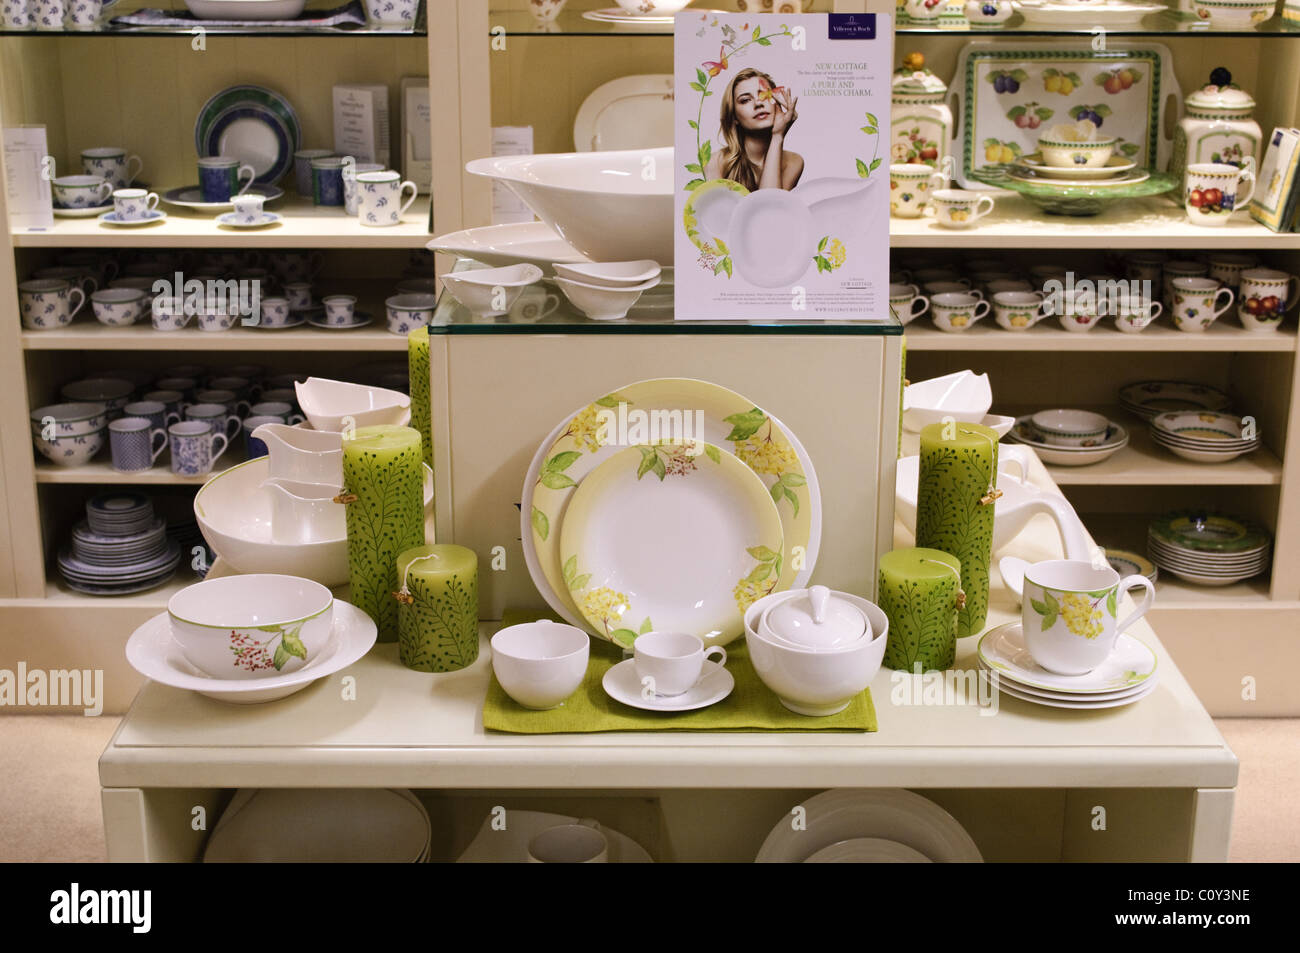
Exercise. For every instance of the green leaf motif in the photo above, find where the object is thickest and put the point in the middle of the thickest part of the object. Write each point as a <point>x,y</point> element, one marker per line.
<point>762,553</point>
<point>863,171</point>
<point>875,163</point>
<point>660,470</point>
<point>821,245</point>
<point>624,637</point>
<point>722,246</point>
<point>561,461</point>
<point>570,569</point>
<point>1039,607</point>
<point>648,460</point>
<point>692,185</point>
<point>700,75</point>
<point>761,572</point>
<point>292,643</point>
<point>794,500</point>
<point>557,481</point>
<point>744,426</point>
<point>872,119</point>
<point>706,152</point>
<point>612,401</point>
<point>697,87</point>
<point>693,124</point>
<point>541,525</point>
<point>281,656</point>
<point>1112,606</point>
<point>793,479</point>
<point>712,453</point>
<point>694,167</point>
<point>646,626</point>
<point>763,41</point>
<point>580,582</point>
<point>726,265</point>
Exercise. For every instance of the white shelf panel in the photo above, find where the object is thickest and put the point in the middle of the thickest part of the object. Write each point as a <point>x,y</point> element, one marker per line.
<point>1138,223</point>
<point>58,594</point>
<point>86,336</point>
<point>304,226</point>
<point>100,472</point>
<point>922,335</point>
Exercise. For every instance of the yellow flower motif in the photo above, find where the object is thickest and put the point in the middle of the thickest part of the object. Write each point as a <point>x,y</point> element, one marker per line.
<point>747,593</point>
<point>585,427</point>
<point>835,252</point>
<point>1081,617</point>
<point>606,605</point>
<point>764,455</point>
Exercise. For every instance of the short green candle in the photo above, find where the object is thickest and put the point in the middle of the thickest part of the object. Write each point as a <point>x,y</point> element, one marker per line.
<point>954,508</point>
<point>417,352</point>
<point>383,467</point>
<point>918,591</point>
<point>438,628</point>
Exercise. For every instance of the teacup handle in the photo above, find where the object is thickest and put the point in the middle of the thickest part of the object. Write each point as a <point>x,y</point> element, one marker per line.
<point>550,304</point>
<point>1010,454</point>
<point>980,204</point>
<point>415,191</point>
<point>171,417</point>
<point>139,167</point>
<point>1228,304</point>
<point>1245,177</point>
<point>1154,309</point>
<point>155,452</point>
<point>81,300</point>
<point>225,445</point>
<point>294,419</point>
<point>722,653</point>
<point>105,189</point>
<point>1130,582</point>
<point>239,174</point>
<point>89,280</point>
<point>925,306</point>
<point>151,201</point>
<point>982,308</point>
<point>110,266</point>
<point>1293,296</point>
<point>976,292</point>
<point>1044,310</point>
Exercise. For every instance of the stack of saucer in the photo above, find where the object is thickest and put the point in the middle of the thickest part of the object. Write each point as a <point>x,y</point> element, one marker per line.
<point>122,547</point>
<point>1150,399</point>
<point>1210,549</point>
<point>1129,672</point>
<point>1202,436</point>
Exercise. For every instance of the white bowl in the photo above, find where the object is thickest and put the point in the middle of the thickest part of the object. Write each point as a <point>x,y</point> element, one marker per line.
<point>602,303</point>
<point>540,664</point>
<point>1077,155</point>
<point>491,291</point>
<point>653,8</point>
<point>610,206</point>
<point>1232,13</point>
<point>118,307</point>
<point>610,274</point>
<point>791,621</point>
<point>1070,428</point>
<point>811,682</point>
<point>251,626</point>
<point>233,511</point>
<point>964,396</point>
<point>70,420</point>
<point>72,450</point>
<point>326,404</point>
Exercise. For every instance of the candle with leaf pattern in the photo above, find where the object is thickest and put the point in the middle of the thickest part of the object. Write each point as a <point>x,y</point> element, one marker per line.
<point>920,592</point>
<point>437,613</point>
<point>417,351</point>
<point>954,507</point>
<point>383,486</point>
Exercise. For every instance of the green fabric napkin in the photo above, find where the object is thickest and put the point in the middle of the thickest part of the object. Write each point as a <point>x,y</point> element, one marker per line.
<point>751,706</point>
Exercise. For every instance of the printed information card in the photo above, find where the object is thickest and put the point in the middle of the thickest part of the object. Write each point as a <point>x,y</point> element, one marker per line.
<point>781,166</point>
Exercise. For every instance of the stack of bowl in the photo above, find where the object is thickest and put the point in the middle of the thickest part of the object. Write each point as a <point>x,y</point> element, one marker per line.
<point>120,548</point>
<point>1070,437</point>
<point>1203,436</point>
<point>1207,548</point>
<point>606,291</point>
<point>815,648</point>
<point>70,434</point>
<point>1150,399</point>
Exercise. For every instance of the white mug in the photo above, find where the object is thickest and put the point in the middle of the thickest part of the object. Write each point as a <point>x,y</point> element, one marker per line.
<point>1263,296</point>
<point>1018,310</point>
<point>904,300</point>
<point>1069,613</point>
<point>350,172</point>
<point>958,311</point>
<point>248,208</point>
<point>910,185</point>
<point>960,208</point>
<point>1133,314</point>
<point>134,205</point>
<point>670,663</point>
<point>1212,191</point>
<point>1195,303</point>
<point>379,198</point>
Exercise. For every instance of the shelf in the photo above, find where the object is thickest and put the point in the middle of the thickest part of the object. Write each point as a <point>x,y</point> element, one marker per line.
<point>58,594</point>
<point>304,226</point>
<point>1135,223</point>
<point>1168,23</point>
<point>1046,336</point>
<point>105,27</point>
<point>93,336</point>
<point>100,472</point>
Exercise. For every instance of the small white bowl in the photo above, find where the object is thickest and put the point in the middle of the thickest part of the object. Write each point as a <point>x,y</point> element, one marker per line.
<point>610,274</point>
<point>71,420</point>
<point>965,396</point>
<point>1232,14</point>
<point>251,626</point>
<point>1070,428</point>
<point>72,450</point>
<point>602,303</point>
<point>326,403</point>
<point>491,291</point>
<point>540,664</point>
<point>1092,154</point>
<point>118,307</point>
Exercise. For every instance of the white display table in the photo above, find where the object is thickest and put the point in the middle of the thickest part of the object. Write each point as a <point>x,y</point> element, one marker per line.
<point>1151,781</point>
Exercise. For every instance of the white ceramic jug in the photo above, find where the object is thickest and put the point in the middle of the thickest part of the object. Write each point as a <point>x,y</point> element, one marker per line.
<point>301,455</point>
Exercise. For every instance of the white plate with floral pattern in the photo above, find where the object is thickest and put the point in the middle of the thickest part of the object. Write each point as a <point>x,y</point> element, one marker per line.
<point>1078,704</point>
<point>1130,663</point>
<point>670,537</point>
<point>1005,682</point>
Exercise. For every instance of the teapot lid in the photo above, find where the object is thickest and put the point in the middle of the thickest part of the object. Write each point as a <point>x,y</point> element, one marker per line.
<point>1221,93</point>
<point>913,79</point>
<point>818,619</point>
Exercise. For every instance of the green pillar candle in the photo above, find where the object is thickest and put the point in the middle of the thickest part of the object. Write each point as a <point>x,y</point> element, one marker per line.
<point>383,467</point>
<point>918,591</point>
<point>954,507</point>
<point>417,352</point>
<point>438,627</point>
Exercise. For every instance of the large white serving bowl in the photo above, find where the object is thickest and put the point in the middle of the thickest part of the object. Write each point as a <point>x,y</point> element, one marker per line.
<point>251,626</point>
<point>811,682</point>
<point>610,206</point>
<point>327,404</point>
<point>233,511</point>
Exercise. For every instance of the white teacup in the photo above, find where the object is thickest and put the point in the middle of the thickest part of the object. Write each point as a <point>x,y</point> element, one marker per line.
<point>907,302</point>
<point>134,205</point>
<point>670,663</point>
<point>1263,296</point>
<point>299,294</point>
<point>1133,314</point>
<point>340,310</point>
<point>1212,191</point>
<point>248,209</point>
<point>1018,310</point>
<point>995,288</point>
<point>379,198</point>
<point>112,163</point>
<point>350,172</point>
<point>960,208</point>
<point>958,311</point>
<point>581,843</point>
<point>275,312</point>
<point>933,288</point>
<point>1075,308</point>
<point>910,185</point>
<point>1196,303</point>
<point>80,191</point>
<point>540,664</point>
<point>1069,613</point>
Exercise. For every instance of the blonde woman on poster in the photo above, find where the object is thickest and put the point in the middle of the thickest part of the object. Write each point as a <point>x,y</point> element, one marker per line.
<point>756,116</point>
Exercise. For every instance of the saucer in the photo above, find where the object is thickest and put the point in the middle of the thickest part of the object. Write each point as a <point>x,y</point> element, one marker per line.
<point>152,216</point>
<point>153,652</point>
<point>621,684</point>
<point>91,212</point>
<point>1003,650</point>
<point>191,197</point>
<point>361,319</point>
<point>229,220</point>
<point>296,320</point>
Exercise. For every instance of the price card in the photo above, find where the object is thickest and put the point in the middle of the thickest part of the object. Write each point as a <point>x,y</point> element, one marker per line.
<point>28,170</point>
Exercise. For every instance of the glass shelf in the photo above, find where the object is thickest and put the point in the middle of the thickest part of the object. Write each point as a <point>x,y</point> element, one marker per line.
<point>653,314</point>
<point>106,27</point>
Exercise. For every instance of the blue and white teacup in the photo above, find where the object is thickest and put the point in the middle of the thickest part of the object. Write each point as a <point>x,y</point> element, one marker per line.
<point>275,312</point>
<point>214,317</point>
<point>248,209</point>
<point>340,310</point>
<point>81,191</point>
<point>48,303</point>
<point>169,314</point>
<point>394,12</point>
<point>221,177</point>
<point>216,416</point>
<point>83,14</point>
<point>112,163</point>
<point>255,447</point>
<point>118,307</point>
<point>379,198</point>
<point>224,398</point>
<point>72,450</point>
<point>173,402</point>
<point>73,275</point>
<point>274,412</point>
<point>159,415</point>
<point>47,14</point>
<point>302,160</point>
<point>408,312</point>
<point>350,173</point>
<point>194,447</point>
<point>135,444</point>
<point>134,205</point>
<point>327,180</point>
<point>299,295</point>
<point>14,15</point>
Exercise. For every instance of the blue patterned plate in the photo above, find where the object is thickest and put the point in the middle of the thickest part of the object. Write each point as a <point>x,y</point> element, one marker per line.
<point>254,124</point>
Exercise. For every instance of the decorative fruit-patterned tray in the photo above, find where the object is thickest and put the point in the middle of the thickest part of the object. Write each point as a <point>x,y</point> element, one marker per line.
<point>1007,96</point>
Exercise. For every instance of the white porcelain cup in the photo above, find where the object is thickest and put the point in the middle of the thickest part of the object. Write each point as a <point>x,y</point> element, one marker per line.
<point>910,185</point>
<point>581,843</point>
<point>540,664</point>
<point>670,663</point>
<point>392,12</point>
<point>907,302</point>
<point>933,288</point>
<point>379,198</point>
<point>1069,613</point>
<point>1263,296</point>
<point>112,163</point>
<point>340,310</point>
<point>80,191</point>
<point>133,205</point>
<point>15,14</point>
<point>1018,310</point>
<point>48,303</point>
<point>1133,314</point>
<point>1212,191</point>
<point>960,208</point>
<point>350,172</point>
<point>1196,303</point>
<point>299,294</point>
<point>275,312</point>
<point>249,209</point>
<point>957,311</point>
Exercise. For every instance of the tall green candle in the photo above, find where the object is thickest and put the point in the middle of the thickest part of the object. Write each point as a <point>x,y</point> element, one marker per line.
<point>417,353</point>
<point>438,625</point>
<point>954,507</point>
<point>383,468</point>
<point>919,592</point>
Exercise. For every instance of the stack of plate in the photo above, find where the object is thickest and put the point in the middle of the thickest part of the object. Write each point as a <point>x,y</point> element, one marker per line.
<point>1115,439</point>
<point>1210,549</point>
<point>1202,436</point>
<point>1150,399</point>
<point>1129,673</point>
<point>1128,563</point>
<point>121,548</point>
<point>626,529</point>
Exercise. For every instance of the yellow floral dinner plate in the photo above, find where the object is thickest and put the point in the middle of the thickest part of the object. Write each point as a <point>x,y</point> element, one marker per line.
<point>670,537</point>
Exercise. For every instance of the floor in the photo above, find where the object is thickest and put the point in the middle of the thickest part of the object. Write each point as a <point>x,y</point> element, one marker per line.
<point>49,802</point>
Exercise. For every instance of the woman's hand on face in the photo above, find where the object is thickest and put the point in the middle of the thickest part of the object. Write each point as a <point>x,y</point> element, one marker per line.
<point>786,113</point>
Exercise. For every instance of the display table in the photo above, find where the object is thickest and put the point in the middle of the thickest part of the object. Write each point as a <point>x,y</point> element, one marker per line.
<point>1151,781</point>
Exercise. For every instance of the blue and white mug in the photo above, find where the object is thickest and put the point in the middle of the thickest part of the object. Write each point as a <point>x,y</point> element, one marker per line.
<point>379,198</point>
<point>48,303</point>
<point>47,14</point>
<point>135,443</point>
<point>408,312</point>
<point>173,402</point>
<point>275,312</point>
<point>83,14</point>
<point>112,163</point>
<point>302,160</point>
<point>14,15</point>
<point>194,447</point>
<point>350,173</point>
<point>340,310</point>
<point>134,205</point>
<point>222,177</point>
<point>327,180</point>
<point>80,191</point>
<point>159,414</point>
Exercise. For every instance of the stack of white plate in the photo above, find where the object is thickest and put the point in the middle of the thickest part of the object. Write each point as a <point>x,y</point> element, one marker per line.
<point>1202,436</point>
<point>1210,549</point>
<point>679,530</point>
<point>121,548</point>
<point>1114,440</point>
<point>1150,399</point>
<point>1129,673</point>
